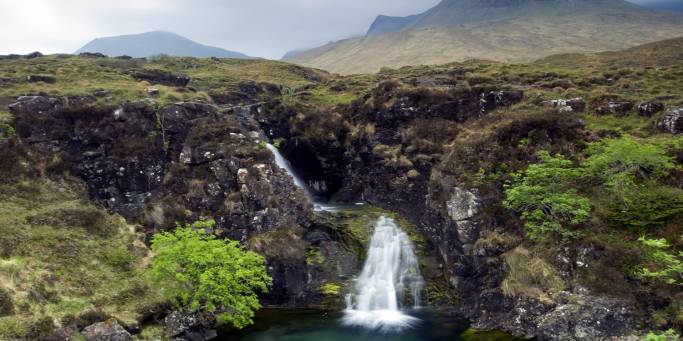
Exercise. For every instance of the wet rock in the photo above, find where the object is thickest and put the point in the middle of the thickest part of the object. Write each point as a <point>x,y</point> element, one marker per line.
<point>580,317</point>
<point>648,109</point>
<point>41,78</point>
<point>183,325</point>
<point>156,76</point>
<point>462,207</point>
<point>672,121</point>
<point>616,108</point>
<point>106,331</point>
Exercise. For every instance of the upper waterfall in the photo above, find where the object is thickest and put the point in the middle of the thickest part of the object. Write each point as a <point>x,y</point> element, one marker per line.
<point>284,164</point>
<point>391,272</point>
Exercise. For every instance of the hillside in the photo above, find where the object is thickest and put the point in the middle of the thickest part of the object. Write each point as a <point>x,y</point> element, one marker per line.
<point>100,154</point>
<point>503,30</point>
<point>155,43</point>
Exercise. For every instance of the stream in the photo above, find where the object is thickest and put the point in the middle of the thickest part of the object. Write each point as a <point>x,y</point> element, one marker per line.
<point>384,305</point>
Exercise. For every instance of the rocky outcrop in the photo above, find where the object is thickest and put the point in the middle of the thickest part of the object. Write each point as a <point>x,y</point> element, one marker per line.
<point>106,331</point>
<point>567,105</point>
<point>41,78</point>
<point>616,108</point>
<point>672,121</point>
<point>186,326</point>
<point>647,109</point>
<point>185,161</point>
<point>155,76</point>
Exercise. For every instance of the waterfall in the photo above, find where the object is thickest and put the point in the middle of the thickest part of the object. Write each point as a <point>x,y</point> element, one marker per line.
<point>284,164</point>
<point>390,272</point>
<point>298,181</point>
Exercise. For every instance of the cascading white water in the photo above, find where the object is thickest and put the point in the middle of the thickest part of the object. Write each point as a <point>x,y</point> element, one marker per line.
<point>391,270</point>
<point>298,181</point>
<point>284,164</point>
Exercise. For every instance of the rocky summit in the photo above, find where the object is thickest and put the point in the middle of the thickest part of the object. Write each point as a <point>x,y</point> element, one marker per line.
<point>504,30</point>
<point>540,199</point>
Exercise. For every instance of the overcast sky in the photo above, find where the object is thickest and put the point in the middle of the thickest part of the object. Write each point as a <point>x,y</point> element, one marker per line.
<point>261,28</point>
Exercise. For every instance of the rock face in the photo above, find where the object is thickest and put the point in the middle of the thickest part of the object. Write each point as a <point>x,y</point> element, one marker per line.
<point>673,121</point>
<point>106,331</point>
<point>392,155</point>
<point>182,162</point>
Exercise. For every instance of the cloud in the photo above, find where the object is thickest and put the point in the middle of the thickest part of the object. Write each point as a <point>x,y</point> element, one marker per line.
<point>266,28</point>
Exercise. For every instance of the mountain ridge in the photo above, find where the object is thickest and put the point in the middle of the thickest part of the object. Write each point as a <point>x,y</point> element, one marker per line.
<point>504,30</point>
<point>155,43</point>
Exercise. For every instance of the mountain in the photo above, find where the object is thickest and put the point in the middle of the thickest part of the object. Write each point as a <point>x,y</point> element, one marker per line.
<point>665,5</point>
<point>504,30</point>
<point>155,43</point>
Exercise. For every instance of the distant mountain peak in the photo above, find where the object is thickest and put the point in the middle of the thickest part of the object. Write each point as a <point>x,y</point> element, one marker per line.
<point>505,30</point>
<point>155,43</point>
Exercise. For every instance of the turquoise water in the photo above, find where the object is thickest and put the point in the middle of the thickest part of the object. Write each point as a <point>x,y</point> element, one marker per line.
<point>284,325</point>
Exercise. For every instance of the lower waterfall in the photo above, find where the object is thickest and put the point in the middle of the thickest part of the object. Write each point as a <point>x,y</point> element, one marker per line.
<point>391,273</point>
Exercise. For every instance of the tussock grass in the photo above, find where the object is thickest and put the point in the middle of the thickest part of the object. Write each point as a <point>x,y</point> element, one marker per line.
<point>530,276</point>
<point>61,257</point>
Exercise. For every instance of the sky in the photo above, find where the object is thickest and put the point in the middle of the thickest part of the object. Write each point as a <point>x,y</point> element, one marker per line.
<point>260,28</point>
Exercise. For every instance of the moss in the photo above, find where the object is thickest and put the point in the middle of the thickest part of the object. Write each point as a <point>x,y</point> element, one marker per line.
<point>330,289</point>
<point>313,256</point>
<point>153,333</point>
<point>477,335</point>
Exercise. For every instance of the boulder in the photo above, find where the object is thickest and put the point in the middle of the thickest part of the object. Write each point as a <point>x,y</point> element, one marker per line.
<point>616,108</point>
<point>574,104</point>
<point>106,331</point>
<point>92,55</point>
<point>672,121</point>
<point>156,76</point>
<point>492,100</point>
<point>647,109</point>
<point>33,55</point>
<point>184,325</point>
<point>41,78</point>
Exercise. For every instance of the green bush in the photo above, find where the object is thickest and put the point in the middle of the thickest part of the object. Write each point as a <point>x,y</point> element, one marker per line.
<point>666,265</point>
<point>545,195</point>
<point>669,335</point>
<point>197,271</point>
<point>632,172</point>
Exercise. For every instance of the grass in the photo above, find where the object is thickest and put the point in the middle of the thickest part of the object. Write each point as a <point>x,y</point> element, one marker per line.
<point>530,276</point>
<point>62,256</point>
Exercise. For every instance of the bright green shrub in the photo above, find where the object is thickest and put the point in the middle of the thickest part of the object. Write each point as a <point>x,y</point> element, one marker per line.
<point>630,171</point>
<point>669,335</point>
<point>197,271</point>
<point>545,195</point>
<point>665,265</point>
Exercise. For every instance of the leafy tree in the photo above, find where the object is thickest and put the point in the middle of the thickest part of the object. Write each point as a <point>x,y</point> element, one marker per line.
<point>545,195</point>
<point>667,266</point>
<point>197,271</point>
<point>631,172</point>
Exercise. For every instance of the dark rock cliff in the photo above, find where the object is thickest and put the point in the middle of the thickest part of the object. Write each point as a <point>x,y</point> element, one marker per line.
<point>187,161</point>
